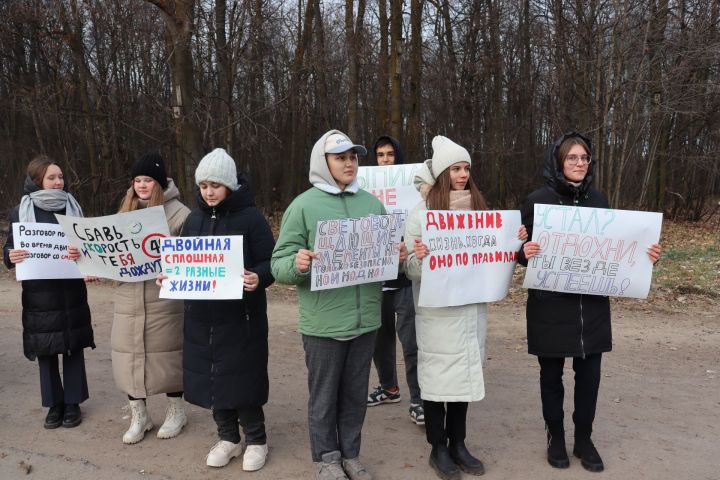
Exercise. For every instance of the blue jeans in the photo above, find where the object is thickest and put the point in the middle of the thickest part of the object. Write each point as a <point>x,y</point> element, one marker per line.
<point>338,375</point>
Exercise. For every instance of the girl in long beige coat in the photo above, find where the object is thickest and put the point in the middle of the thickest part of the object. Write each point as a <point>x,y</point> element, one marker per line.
<point>147,331</point>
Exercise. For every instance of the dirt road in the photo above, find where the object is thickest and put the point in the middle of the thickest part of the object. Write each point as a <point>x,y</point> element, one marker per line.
<point>657,412</point>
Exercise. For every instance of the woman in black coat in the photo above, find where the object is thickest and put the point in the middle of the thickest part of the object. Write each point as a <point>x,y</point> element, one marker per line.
<point>563,325</point>
<point>55,315</point>
<point>225,349</point>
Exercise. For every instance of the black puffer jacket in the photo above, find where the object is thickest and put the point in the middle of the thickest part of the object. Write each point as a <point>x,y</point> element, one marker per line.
<point>55,314</point>
<point>225,349</point>
<point>565,324</point>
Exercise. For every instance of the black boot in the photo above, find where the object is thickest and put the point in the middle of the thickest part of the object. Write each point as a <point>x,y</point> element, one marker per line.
<point>464,459</point>
<point>72,416</point>
<point>585,450</point>
<point>443,464</point>
<point>556,452</point>
<point>54,417</point>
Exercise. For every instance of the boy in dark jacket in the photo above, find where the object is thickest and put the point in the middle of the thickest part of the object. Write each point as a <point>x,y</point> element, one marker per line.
<point>398,314</point>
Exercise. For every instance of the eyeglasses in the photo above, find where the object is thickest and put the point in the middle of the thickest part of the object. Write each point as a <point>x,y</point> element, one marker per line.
<point>574,159</point>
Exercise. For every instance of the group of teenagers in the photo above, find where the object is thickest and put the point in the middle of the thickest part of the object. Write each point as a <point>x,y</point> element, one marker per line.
<point>214,353</point>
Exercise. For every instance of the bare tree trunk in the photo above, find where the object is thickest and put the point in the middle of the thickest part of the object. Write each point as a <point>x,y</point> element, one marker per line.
<point>414,140</point>
<point>396,23</point>
<point>381,108</point>
<point>179,22</point>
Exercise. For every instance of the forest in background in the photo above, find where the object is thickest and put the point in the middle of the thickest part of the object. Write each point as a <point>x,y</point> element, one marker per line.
<point>94,83</point>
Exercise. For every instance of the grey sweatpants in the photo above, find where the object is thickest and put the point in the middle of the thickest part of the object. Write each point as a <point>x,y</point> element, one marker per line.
<point>338,373</point>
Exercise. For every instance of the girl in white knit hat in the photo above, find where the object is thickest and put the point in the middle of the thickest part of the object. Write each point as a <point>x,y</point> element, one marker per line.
<point>225,348</point>
<point>450,340</point>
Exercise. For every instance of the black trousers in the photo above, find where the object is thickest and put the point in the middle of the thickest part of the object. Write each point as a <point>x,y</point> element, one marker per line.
<point>443,424</point>
<point>251,419</point>
<point>587,384</point>
<point>73,389</point>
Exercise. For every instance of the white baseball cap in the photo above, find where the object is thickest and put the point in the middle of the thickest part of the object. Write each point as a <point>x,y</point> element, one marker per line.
<point>338,143</point>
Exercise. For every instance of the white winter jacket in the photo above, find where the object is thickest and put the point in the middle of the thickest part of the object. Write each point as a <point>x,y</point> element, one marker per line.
<point>450,340</point>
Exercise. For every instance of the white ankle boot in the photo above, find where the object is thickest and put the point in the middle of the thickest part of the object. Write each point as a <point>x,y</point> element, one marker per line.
<point>255,457</point>
<point>139,424</point>
<point>222,452</point>
<point>175,418</point>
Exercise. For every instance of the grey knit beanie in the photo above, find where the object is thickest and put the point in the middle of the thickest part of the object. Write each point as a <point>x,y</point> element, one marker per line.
<point>217,167</point>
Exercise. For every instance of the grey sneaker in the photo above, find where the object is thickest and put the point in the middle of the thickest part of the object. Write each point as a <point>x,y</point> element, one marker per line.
<point>330,468</point>
<point>355,469</point>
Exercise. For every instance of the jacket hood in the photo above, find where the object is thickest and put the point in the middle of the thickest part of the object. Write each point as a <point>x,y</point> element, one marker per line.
<point>171,191</point>
<point>320,175</point>
<point>399,154</point>
<point>237,200</point>
<point>554,176</point>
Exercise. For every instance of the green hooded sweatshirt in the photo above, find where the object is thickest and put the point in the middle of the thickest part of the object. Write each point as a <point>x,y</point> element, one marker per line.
<point>339,312</point>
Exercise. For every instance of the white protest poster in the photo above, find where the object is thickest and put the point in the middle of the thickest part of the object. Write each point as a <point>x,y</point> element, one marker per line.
<point>47,252</point>
<point>124,247</point>
<point>595,251</point>
<point>203,268</point>
<point>393,186</point>
<point>472,256</point>
<point>351,251</point>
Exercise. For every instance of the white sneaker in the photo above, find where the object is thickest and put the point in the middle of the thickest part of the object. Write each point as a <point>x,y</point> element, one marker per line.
<point>175,419</point>
<point>254,458</point>
<point>222,452</point>
<point>139,423</point>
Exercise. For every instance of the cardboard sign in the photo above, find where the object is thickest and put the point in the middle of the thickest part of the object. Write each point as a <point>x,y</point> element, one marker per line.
<point>351,251</point>
<point>472,256</point>
<point>124,247</point>
<point>593,251</point>
<point>393,186</point>
<point>47,252</point>
<point>205,268</point>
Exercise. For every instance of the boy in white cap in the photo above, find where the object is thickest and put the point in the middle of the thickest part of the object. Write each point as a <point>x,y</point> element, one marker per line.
<point>338,326</point>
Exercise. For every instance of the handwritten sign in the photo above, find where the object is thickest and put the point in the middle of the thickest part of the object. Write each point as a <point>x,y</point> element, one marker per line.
<point>472,256</point>
<point>351,251</point>
<point>124,247</point>
<point>593,251</point>
<point>209,268</point>
<point>47,252</point>
<point>393,186</point>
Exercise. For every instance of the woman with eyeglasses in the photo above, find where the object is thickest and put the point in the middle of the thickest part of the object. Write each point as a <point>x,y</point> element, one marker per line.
<point>561,325</point>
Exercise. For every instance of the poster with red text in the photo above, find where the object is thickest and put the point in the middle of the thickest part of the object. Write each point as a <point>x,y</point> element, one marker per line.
<point>124,246</point>
<point>593,251</point>
<point>393,186</point>
<point>472,256</point>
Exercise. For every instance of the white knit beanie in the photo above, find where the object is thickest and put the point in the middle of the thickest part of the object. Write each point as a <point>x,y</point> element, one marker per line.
<point>217,167</point>
<point>445,153</point>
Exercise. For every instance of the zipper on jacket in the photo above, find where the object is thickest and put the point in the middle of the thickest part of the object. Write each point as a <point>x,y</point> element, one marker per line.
<point>582,329</point>
<point>357,287</point>
<point>212,370</point>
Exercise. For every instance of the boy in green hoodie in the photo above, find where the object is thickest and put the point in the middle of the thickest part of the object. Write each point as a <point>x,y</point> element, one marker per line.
<point>338,326</point>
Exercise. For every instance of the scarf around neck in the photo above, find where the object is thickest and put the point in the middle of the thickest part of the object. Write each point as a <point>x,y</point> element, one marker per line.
<point>50,200</point>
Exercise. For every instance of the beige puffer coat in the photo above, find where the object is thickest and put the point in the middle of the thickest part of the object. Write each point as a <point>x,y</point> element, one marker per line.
<point>147,331</point>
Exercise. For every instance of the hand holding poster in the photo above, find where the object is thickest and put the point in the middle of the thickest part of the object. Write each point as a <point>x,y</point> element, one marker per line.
<point>204,268</point>
<point>472,256</point>
<point>351,251</point>
<point>594,251</point>
<point>47,252</point>
<point>124,247</point>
